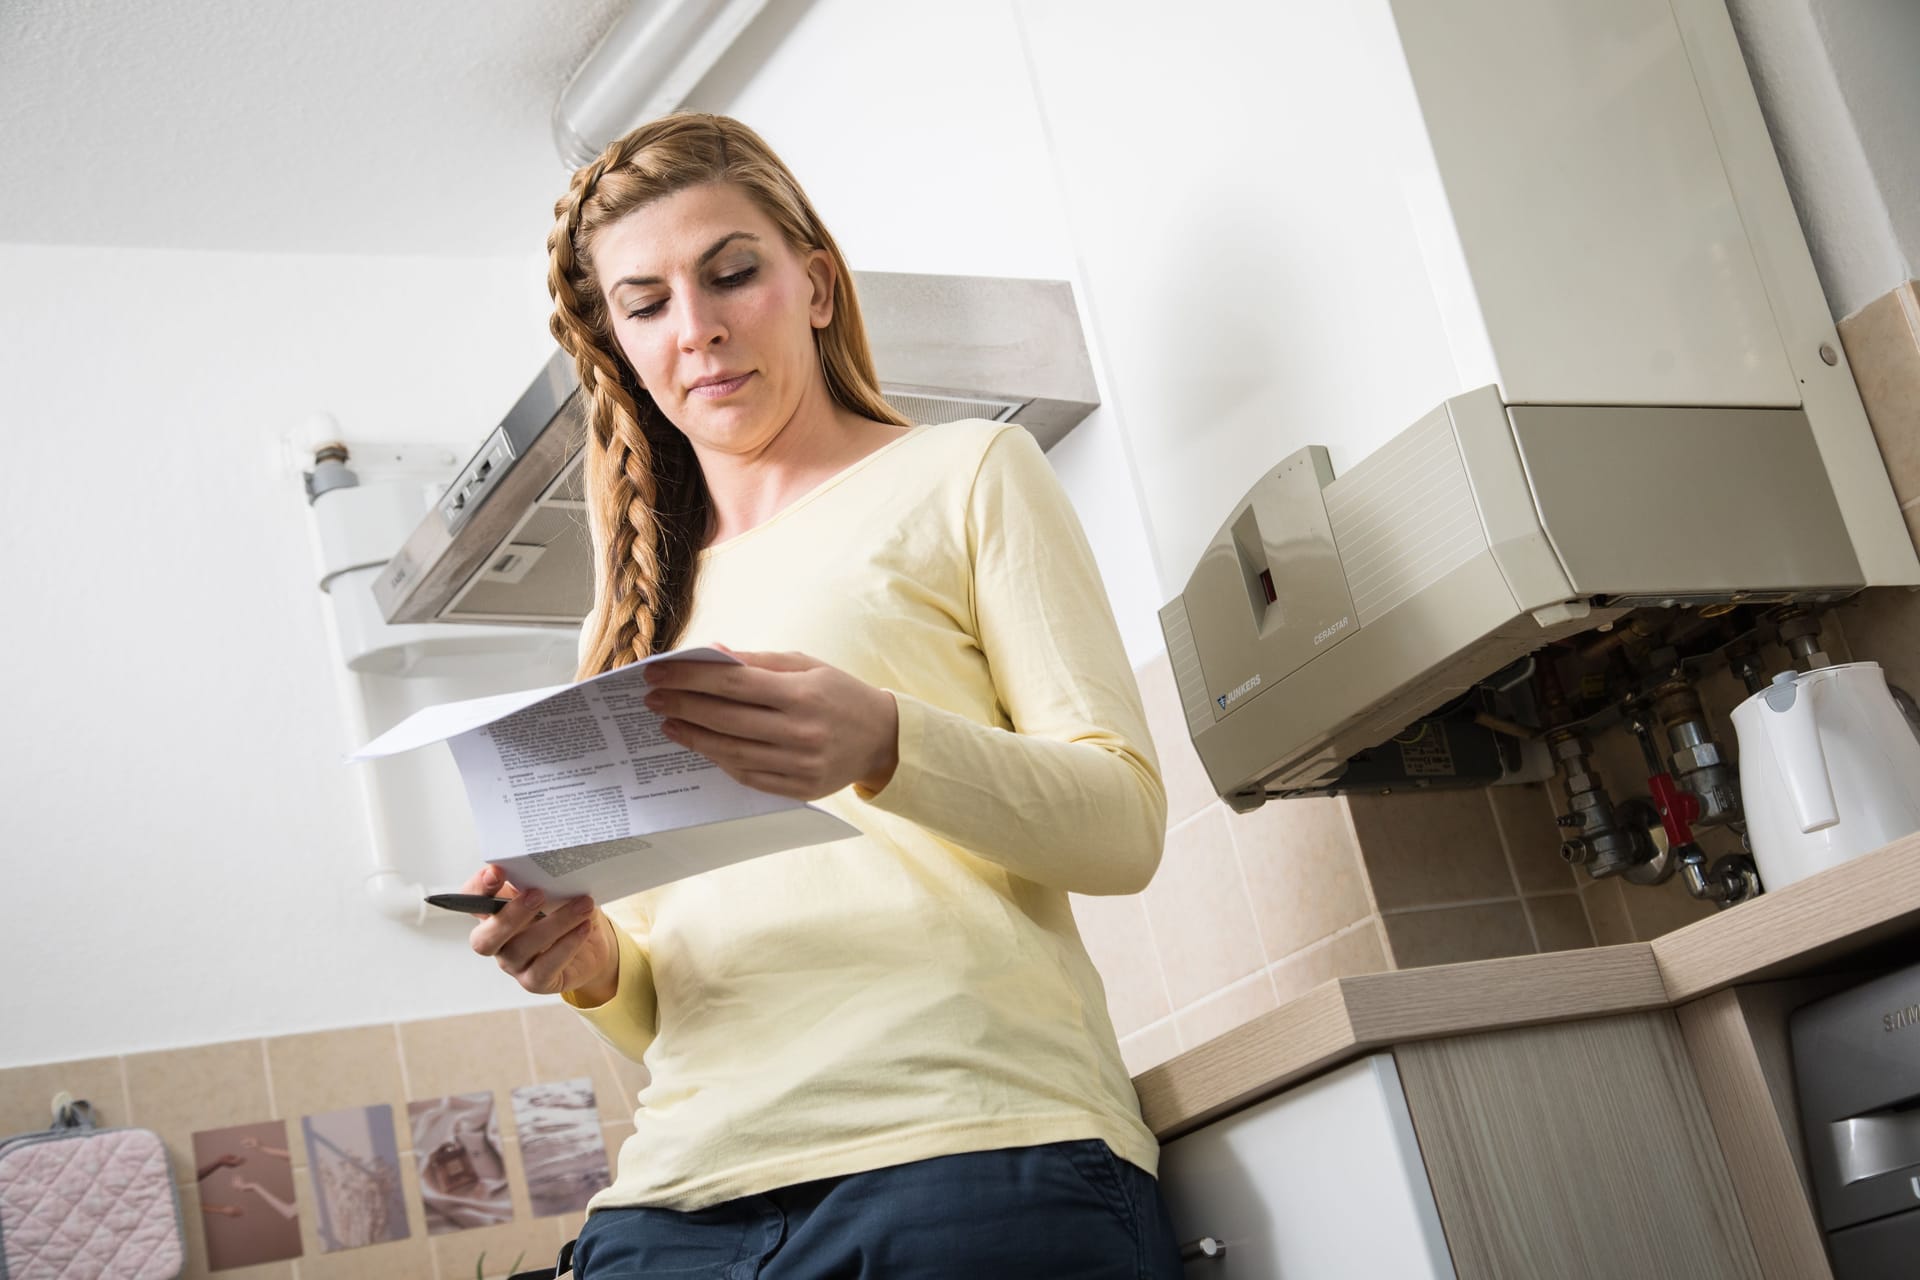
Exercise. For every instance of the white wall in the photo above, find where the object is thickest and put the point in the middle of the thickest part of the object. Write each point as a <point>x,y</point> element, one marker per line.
<point>914,130</point>
<point>186,851</point>
<point>184,847</point>
<point>1837,81</point>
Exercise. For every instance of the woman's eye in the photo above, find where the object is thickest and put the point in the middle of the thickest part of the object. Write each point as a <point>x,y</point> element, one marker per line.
<point>737,278</point>
<point>647,312</point>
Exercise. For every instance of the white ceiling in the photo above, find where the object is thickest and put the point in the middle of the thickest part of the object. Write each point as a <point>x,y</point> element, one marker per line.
<point>354,126</point>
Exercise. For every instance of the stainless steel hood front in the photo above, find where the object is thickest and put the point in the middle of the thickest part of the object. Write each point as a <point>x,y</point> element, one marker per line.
<point>507,542</point>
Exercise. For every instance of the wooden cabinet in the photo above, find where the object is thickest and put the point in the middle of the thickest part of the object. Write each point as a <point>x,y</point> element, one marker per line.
<point>1575,1150</point>
<point>1578,1150</point>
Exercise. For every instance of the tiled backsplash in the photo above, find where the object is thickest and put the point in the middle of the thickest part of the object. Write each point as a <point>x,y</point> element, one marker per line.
<point>182,1091</point>
<point>1883,349</point>
<point>1252,909</point>
<point>1249,910</point>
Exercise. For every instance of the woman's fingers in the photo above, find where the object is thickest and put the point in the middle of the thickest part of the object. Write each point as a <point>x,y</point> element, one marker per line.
<point>531,938</point>
<point>496,931</point>
<point>525,946</point>
<point>754,685</point>
<point>739,754</point>
<point>778,784</point>
<point>723,715</point>
<point>551,970</point>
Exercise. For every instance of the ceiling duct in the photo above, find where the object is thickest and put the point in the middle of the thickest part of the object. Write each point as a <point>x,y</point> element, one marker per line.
<point>642,68</point>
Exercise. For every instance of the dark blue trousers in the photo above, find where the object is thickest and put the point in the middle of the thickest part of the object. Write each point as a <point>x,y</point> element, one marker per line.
<point>1061,1211</point>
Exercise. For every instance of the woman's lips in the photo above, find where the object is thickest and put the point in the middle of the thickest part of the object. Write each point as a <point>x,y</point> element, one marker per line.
<point>720,390</point>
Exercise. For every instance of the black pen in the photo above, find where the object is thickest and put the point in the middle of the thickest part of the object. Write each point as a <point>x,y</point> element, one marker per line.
<point>471,903</point>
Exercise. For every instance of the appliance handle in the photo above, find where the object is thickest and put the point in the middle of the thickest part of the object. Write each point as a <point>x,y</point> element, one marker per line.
<point>1797,751</point>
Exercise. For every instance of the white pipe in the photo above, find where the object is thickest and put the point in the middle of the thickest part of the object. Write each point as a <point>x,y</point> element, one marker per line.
<point>393,895</point>
<point>643,67</point>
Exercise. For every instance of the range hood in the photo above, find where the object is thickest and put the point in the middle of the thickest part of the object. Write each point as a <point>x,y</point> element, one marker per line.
<point>508,543</point>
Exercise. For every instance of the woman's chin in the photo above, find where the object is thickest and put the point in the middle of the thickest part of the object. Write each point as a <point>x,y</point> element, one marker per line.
<point>732,428</point>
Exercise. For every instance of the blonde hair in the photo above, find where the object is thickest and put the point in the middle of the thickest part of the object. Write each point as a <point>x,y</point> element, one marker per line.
<point>647,501</point>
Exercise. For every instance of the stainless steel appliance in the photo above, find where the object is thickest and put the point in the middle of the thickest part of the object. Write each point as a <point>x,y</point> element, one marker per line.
<point>1856,1062</point>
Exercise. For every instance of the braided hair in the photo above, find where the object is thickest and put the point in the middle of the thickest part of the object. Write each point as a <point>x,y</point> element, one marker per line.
<point>648,508</point>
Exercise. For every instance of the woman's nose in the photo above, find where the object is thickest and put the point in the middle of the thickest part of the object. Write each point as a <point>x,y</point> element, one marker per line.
<point>700,326</point>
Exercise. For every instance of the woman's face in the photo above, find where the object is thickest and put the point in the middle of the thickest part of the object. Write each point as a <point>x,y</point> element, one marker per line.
<point>716,313</point>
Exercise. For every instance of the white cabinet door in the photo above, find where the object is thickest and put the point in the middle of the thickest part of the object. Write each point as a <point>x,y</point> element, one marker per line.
<point>1323,1182</point>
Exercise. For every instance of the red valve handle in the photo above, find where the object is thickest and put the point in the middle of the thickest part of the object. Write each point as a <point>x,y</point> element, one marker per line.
<point>1678,808</point>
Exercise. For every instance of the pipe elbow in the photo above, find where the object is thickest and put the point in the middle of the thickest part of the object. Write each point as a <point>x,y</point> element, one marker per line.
<point>395,898</point>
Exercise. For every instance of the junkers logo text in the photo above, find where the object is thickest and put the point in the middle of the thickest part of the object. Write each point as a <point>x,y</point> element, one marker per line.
<point>1325,634</point>
<point>1907,1017</point>
<point>1228,699</point>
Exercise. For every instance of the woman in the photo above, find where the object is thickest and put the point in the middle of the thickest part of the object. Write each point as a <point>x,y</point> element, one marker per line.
<point>889,1055</point>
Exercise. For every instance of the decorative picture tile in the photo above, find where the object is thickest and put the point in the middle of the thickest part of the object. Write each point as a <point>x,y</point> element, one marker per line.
<point>456,1148</point>
<point>561,1145</point>
<point>356,1177</point>
<point>247,1208</point>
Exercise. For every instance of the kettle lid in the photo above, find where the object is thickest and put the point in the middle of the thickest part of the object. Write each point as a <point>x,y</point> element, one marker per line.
<point>1781,693</point>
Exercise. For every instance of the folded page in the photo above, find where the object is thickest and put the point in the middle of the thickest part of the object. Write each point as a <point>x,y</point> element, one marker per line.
<point>576,789</point>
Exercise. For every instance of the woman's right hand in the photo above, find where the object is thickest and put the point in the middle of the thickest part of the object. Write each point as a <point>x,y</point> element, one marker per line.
<point>570,948</point>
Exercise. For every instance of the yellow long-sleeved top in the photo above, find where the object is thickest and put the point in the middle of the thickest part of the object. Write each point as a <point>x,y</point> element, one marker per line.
<point>919,990</point>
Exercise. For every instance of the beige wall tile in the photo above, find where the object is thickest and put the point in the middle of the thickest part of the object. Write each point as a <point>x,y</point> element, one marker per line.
<point>1357,951</point>
<point>1559,922</point>
<point>1525,817</point>
<point>1225,1009</point>
<point>564,1047</point>
<point>1302,870</point>
<point>1833,638</point>
<point>1431,849</point>
<point>1150,1046</point>
<point>1883,349</point>
<point>1883,625</point>
<point>177,1092</point>
<point>1450,935</point>
<point>1607,912</point>
<point>408,1258</point>
<point>323,1071</point>
<point>465,1054</point>
<point>196,1268</point>
<point>1120,944</point>
<point>1203,928</point>
<point>1662,908</point>
<point>26,1093</point>
<point>1188,790</point>
<point>535,1241</point>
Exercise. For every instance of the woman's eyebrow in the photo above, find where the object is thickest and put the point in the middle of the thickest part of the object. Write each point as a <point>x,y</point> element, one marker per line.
<point>712,252</point>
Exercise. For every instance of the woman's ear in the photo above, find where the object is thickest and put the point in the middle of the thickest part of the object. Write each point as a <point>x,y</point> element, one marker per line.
<point>820,271</point>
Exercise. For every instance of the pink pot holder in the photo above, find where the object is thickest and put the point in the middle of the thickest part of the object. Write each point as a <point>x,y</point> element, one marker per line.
<point>80,1203</point>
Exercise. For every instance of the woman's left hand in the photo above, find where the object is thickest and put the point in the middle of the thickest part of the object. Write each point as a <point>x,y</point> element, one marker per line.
<point>783,723</point>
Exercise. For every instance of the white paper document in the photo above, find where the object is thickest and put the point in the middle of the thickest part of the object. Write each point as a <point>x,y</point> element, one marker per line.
<point>576,790</point>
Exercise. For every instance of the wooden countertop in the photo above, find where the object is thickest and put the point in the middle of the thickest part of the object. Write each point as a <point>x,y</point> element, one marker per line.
<point>1820,921</point>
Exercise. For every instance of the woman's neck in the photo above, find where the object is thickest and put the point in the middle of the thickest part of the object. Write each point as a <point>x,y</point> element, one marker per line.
<point>818,443</point>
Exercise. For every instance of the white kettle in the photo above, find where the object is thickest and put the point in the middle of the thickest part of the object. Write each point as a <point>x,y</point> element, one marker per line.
<point>1829,770</point>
